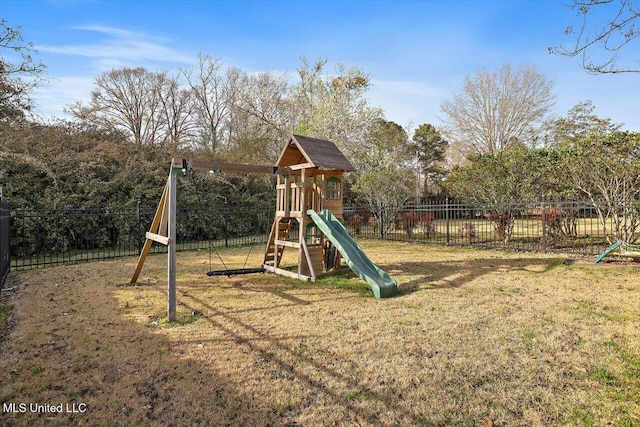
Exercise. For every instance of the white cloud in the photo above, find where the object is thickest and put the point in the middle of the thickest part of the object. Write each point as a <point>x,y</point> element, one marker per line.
<point>120,46</point>
<point>114,31</point>
<point>58,93</point>
<point>73,78</point>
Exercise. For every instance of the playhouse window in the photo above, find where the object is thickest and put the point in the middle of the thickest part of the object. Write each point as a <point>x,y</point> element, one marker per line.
<point>334,189</point>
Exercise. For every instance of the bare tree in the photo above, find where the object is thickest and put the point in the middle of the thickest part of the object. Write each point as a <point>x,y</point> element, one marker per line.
<point>303,93</point>
<point>17,78</point>
<point>177,108</point>
<point>600,43</point>
<point>334,107</point>
<point>495,110</point>
<point>262,117</point>
<point>127,99</point>
<point>214,92</point>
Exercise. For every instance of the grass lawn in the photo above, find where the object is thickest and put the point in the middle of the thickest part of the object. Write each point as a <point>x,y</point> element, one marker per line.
<point>473,338</point>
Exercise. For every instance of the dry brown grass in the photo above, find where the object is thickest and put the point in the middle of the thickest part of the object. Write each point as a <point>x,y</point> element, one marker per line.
<point>474,338</point>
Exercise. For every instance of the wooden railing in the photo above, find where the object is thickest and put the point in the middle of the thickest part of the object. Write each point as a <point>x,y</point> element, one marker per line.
<point>314,198</point>
<point>290,200</point>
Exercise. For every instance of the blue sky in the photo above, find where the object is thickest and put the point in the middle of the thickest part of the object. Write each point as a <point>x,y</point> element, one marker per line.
<point>416,52</point>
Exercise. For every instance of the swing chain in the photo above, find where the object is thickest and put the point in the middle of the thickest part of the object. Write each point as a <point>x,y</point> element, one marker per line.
<point>227,271</point>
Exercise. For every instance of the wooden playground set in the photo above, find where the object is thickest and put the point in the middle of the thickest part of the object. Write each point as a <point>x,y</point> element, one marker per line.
<point>309,192</point>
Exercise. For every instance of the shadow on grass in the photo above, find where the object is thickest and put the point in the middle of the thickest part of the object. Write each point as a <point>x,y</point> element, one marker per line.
<point>276,351</point>
<point>422,275</point>
<point>319,376</point>
<point>415,276</point>
<point>291,292</point>
<point>77,347</point>
<point>453,274</point>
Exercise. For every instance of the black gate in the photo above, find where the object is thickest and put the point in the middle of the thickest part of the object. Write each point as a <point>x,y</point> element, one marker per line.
<point>5,261</point>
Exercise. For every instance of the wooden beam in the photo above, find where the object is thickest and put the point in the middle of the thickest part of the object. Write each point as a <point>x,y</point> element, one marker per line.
<point>287,243</point>
<point>290,184</point>
<point>164,219</point>
<point>235,167</point>
<point>307,257</point>
<point>287,273</point>
<point>290,214</point>
<point>157,238</point>
<point>154,228</point>
<point>301,166</point>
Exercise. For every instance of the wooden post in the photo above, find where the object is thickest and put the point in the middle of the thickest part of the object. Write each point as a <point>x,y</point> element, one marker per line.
<point>163,230</point>
<point>155,228</point>
<point>301,255</point>
<point>171,247</point>
<point>287,196</point>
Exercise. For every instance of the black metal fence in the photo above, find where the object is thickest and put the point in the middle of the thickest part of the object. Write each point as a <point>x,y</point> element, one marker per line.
<point>49,237</point>
<point>568,226</point>
<point>5,236</point>
<point>41,238</point>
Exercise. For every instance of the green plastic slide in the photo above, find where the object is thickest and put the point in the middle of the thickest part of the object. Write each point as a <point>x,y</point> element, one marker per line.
<point>380,282</point>
<point>609,250</point>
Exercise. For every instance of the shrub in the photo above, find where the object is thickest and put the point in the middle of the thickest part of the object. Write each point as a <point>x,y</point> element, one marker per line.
<point>356,221</point>
<point>503,224</point>
<point>468,231</point>
<point>409,220</point>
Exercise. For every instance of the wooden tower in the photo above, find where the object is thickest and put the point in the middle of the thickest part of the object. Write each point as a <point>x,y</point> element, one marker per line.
<point>315,182</point>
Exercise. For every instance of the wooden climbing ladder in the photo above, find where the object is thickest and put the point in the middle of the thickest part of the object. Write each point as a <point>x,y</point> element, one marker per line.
<point>279,232</point>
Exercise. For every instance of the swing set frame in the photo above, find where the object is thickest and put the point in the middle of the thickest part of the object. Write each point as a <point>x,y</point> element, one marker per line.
<point>163,225</point>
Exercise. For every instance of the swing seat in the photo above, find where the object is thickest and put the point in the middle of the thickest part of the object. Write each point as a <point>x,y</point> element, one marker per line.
<point>236,272</point>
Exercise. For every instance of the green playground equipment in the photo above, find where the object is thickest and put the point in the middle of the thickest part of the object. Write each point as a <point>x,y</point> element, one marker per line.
<point>380,282</point>
<point>620,248</point>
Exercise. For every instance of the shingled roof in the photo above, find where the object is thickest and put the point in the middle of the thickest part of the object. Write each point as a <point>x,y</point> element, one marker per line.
<point>319,153</point>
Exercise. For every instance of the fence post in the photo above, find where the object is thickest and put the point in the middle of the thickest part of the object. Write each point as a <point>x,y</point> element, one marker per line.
<point>139,225</point>
<point>446,215</point>
<point>544,223</point>
<point>5,242</point>
<point>226,225</point>
<point>382,213</point>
